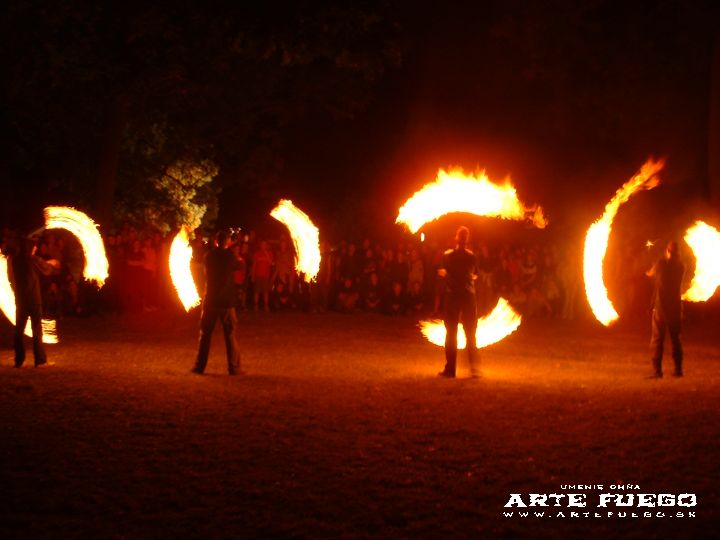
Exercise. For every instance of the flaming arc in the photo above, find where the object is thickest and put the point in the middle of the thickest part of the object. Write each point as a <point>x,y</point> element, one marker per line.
<point>305,237</point>
<point>704,240</point>
<point>456,191</point>
<point>180,274</point>
<point>596,241</point>
<point>502,321</point>
<point>96,263</point>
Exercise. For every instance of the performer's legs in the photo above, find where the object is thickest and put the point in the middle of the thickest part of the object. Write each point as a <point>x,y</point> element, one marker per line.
<point>21,317</point>
<point>207,324</point>
<point>229,322</point>
<point>677,351</point>
<point>452,316</point>
<point>36,325</point>
<point>657,340</point>
<point>469,320</point>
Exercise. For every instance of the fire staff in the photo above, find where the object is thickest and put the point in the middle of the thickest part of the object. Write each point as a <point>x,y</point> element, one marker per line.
<point>219,303</point>
<point>667,309</point>
<point>459,268</point>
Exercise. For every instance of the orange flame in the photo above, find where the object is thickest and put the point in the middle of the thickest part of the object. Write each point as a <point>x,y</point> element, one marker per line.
<point>305,237</point>
<point>86,231</point>
<point>596,241</point>
<point>500,323</point>
<point>7,306</point>
<point>180,274</point>
<point>455,191</point>
<point>704,241</point>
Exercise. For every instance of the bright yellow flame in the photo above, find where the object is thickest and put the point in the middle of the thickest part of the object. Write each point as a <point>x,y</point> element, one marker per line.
<point>180,273</point>
<point>455,191</point>
<point>86,231</point>
<point>704,241</point>
<point>649,244</point>
<point>500,323</point>
<point>596,241</point>
<point>305,237</point>
<point>7,306</point>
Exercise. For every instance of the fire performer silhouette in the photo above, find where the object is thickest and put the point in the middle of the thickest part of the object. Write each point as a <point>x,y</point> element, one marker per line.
<point>459,269</point>
<point>667,309</point>
<point>219,303</point>
<point>24,275</point>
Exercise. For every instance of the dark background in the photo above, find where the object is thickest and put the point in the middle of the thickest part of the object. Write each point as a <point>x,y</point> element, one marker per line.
<point>349,109</point>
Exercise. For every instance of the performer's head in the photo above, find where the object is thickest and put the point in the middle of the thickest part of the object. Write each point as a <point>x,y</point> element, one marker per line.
<point>222,238</point>
<point>462,235</point>
<point>671,251</point>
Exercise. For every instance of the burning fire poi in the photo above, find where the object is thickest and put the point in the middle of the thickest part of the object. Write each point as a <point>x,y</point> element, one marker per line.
<point>180,273</point>
<point>456,191</point>
<point>500,323</point>
<point>305,237</point>
<point>704,241</point>
<point>86,231</point>
<point>596,241</point>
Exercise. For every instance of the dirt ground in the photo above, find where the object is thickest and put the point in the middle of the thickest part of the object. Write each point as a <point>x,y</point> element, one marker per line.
<point>342,429</point>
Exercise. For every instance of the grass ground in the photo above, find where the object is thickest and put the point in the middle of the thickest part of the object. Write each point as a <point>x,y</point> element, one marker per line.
<point>342,429</point>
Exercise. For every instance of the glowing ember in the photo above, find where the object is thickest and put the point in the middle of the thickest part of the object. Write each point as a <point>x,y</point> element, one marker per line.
<point>7,306</point>
<point>85,230</point>
<point>305,237</point>
<point>180,274</point>
<point>455,191</point>
<point>649,244</point>
<point>596,241</point>
<point>500,323</point>
<point>704,241</point>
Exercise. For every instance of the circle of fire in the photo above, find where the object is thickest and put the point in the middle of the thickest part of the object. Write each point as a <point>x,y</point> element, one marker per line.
<point>305,236</point>
<point>456,191</point>
<point>95,269</point>
<point>180,273</point>
<point>596,241</point>
<point>704,241</point>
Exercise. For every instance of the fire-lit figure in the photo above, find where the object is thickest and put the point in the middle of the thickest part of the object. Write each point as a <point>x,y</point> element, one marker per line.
<point>305,237</point>
<point>496,326</point>
<point>180,273</point>
<point>704,241</point>
<point>456,191</point>
<point>596,241</point>
<point>86,231</point>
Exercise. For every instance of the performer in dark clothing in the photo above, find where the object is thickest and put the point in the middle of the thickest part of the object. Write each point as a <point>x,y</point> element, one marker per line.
<point>667,309</point>
<point>459,268</point>
<point>24,275</point>
<point>219,303</point>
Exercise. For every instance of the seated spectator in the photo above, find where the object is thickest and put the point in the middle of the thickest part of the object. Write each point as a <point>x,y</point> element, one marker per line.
<point>416,299</point>
<point>348,296</point>
<point>372,294</point>
<point>281,299</point>
<point>395,301</point>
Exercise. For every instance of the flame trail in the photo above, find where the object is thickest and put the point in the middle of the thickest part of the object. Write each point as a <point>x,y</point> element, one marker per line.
<point>500,323</point>
<point>704,241</point>
<point>596,241</point>
<point>86,231</point>
<point>180,274</point>
<point>7,306</point>
<point>455,191</point>
<point>305,237</point>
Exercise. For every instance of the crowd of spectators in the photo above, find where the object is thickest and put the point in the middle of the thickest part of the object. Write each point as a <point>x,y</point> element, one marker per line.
<point>396,279</point>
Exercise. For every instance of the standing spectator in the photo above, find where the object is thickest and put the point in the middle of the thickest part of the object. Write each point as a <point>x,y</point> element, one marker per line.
<point>285,267</point>
<point>262,266</point>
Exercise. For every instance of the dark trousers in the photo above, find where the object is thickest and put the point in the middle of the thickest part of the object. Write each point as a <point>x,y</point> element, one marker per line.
<point>460,308</point>
<point>34,313</point>
<point>660,324</point>
<point>228,318</point>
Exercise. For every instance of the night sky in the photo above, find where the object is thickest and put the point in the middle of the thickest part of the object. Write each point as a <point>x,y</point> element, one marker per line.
<point>567,98</point>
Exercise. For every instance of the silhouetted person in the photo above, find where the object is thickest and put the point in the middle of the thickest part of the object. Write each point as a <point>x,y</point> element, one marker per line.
<point>667,309</point>
<point>459,268</point>
<point>219,303</point>
<point>24,274</point>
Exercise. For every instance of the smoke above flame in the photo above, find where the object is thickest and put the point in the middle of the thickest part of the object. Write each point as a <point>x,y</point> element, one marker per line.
<point>455,191</point>
<point>596,241</point>
<point>305,236</point>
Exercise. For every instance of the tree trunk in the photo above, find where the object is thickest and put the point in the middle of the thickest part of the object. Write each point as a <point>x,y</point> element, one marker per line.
<point>110,160</point>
